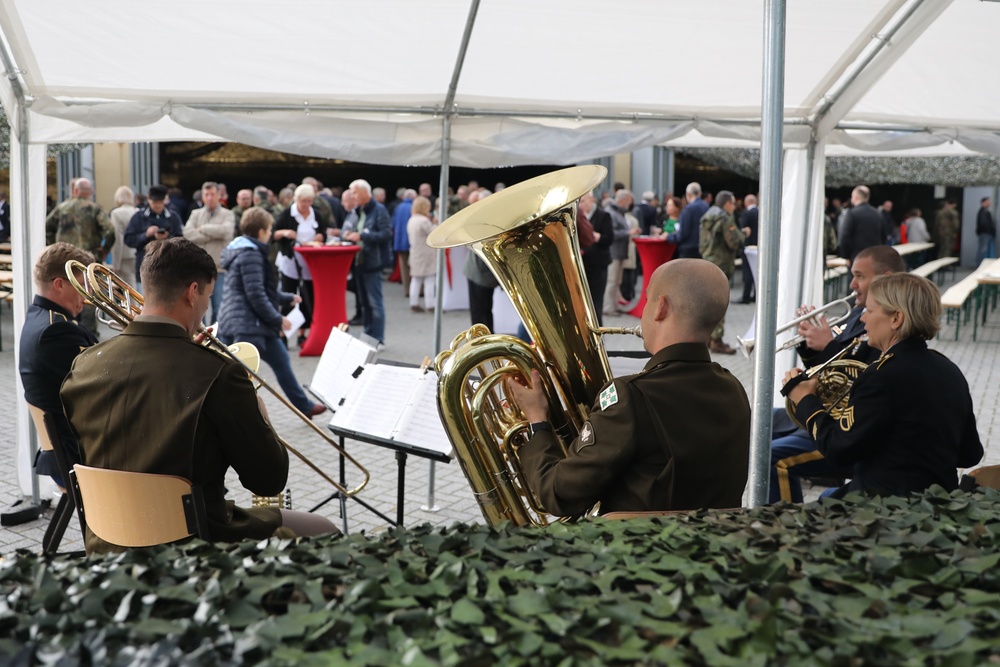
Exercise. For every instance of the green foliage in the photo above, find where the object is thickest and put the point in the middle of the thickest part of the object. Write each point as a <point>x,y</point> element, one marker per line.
<point>857,582</point>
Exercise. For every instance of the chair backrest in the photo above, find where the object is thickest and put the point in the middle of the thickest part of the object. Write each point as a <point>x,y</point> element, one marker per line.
<point>988,476</point>
<point>134,509</point>
<point>38,416</point>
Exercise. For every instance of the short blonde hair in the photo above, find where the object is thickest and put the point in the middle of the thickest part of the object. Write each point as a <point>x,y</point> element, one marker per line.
<point>124,196</point>
<point>421,206</point>
<point>918,299</point>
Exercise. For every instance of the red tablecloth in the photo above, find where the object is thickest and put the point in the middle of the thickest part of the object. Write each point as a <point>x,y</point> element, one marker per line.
<point>652,253</point>
<point>329,266</point>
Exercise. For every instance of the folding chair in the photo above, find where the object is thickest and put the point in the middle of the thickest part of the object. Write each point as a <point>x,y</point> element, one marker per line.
<point>48,440</point>
<point>135,509</point>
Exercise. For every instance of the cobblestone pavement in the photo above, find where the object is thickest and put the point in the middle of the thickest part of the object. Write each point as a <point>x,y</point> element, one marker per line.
<point>410,337</point>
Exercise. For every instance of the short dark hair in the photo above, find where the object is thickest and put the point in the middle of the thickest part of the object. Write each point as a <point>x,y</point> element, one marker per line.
<point>255,219</point>
<point>884,259</point>
<point>51,263</point>
<point>171,265</point>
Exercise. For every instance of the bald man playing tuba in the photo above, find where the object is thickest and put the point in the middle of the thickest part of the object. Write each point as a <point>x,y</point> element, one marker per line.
<point>675,436</point>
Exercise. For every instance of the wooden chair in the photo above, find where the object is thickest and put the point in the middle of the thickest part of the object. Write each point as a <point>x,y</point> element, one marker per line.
<point>988,476</point>
<point>48,440</point>
<point>135,509</point>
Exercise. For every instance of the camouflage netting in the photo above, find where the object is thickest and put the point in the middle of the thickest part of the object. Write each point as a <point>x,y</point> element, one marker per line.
<point>842,171</point>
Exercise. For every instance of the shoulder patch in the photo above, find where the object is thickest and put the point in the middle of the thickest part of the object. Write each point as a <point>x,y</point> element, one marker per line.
<point>587,437</point>
<point>609,397</point>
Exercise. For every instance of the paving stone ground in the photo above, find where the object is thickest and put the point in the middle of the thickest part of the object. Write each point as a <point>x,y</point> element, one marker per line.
<point>410,337</point>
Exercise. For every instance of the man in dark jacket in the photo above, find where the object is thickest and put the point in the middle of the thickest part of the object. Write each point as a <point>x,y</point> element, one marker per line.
<point>986,231</point>
<point>50,340</point>
<point>749,220</point>
<point>374,235</point>
<point>689,234</point>
<point>154,222</point>
<point>863,225</point>
<point>597,256</point>
<point>250,308</point>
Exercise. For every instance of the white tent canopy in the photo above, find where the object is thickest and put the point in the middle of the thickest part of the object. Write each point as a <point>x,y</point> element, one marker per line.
<point>486,83</point>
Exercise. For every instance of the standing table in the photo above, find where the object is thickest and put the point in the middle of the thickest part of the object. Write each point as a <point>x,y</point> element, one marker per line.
<point>329,266</point>
<point>652,252</point>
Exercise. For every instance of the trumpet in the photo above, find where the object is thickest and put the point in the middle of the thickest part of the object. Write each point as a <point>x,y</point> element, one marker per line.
<point>749,341</point>
<point>110,294</point>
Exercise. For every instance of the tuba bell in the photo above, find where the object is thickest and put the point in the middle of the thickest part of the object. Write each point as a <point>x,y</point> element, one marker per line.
<point>527,236</point>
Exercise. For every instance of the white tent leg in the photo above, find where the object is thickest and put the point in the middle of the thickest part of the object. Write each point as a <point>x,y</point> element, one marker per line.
<point>27,180</point>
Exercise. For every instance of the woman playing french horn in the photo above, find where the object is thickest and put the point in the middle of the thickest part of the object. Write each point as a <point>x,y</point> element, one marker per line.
<point>909,421</point>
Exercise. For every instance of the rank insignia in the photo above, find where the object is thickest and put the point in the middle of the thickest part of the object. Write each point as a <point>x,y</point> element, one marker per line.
<point>609,397</point>
<point>586,437</point>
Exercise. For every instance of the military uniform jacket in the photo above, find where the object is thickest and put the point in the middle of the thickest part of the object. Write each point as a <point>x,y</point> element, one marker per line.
<point>720,239</point>
<point>50,340</point>
<point>909,423</point>
<point>674,437</point>
<point>82,223</point>
<point>151,400</point>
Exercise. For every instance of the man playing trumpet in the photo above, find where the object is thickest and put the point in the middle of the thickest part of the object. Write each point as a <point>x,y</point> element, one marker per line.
<point>793,452</point>
<point>153,400</point>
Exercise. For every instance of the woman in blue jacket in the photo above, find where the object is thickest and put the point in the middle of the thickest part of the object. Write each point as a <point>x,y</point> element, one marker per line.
<point>251,301</point>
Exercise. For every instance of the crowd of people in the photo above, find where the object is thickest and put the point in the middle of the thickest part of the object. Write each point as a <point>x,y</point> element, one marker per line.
<point>654,440</point>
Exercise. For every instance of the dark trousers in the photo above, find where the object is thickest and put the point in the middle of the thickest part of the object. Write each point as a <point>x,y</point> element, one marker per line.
<point>749,291</point>
<point>481,304</point>
<point>303,288</point>
<point>627,287</point>
<point>597,278</point>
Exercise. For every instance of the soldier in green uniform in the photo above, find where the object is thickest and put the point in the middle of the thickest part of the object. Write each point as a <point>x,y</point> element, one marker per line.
<point>719,242</point>
<point>675,436</point>
<point>947,224</point>
<point>84,224</point>
<point>81,222</point>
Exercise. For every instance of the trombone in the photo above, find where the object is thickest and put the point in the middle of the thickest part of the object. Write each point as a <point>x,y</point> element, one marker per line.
<point>110,294</point>
<point>749,341</point>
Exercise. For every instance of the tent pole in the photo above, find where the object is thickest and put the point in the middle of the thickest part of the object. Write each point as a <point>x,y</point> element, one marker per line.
<point>810,160</point>
<point>441,213</point>
<point>26,277</point>
<point>772,102</point>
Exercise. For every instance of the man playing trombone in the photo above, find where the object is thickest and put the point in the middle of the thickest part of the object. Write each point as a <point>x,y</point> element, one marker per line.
<point>793,452</point>
<point>154,400</point>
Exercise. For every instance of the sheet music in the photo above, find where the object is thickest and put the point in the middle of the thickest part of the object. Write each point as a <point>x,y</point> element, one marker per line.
<point>626,365</point>
<point>420,424</point>
<point>341,358</point>
<point>394,403</point>
<point>373,403</point>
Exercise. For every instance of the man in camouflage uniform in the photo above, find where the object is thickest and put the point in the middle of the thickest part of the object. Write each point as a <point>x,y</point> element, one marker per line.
<point>262,199</point>
<point>80,222</point>
<point>719,242</point>
<point>84,224</point>
<point>947,224</point>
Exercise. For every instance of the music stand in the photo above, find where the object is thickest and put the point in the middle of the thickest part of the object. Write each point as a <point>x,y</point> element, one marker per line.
<point>403,451</point>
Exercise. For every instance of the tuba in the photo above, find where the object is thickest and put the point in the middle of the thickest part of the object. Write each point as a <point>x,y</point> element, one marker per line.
<point>526,234</point>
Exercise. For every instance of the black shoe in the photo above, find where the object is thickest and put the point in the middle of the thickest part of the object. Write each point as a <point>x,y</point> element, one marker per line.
<point>741,301</point>
<point>356,321</point>
<point>302,340</point>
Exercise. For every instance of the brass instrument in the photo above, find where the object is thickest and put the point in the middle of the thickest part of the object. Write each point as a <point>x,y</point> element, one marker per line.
<point>749,341</point>
<point>527,236</point>
<point>119,301</point>
<point>835,377</point>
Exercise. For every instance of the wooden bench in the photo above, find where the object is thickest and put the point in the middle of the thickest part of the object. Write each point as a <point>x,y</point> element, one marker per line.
<point>955,299</point>
<point>934,266</point>
<point>833,283</point>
